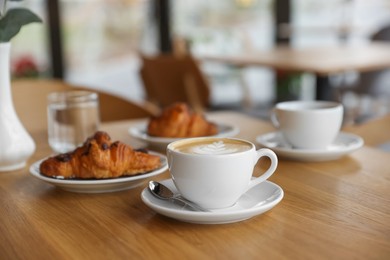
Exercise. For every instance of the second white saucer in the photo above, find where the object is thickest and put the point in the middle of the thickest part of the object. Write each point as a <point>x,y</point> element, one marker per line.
<point>344,144</point>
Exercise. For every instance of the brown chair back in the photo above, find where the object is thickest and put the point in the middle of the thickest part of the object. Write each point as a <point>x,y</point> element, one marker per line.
<point>171,78</point>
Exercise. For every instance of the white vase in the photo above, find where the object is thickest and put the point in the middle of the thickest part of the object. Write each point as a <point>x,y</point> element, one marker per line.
<point>16,145</point>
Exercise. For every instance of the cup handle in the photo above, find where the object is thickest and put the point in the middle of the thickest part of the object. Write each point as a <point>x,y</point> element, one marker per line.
<point>274,119</point>
<point>274,163</point>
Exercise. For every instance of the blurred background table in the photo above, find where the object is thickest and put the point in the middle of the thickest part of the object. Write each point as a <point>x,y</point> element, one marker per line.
<point>331,210</point>
<point>321,61</point>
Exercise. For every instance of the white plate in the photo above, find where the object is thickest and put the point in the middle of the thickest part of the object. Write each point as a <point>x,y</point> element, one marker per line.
<point>344,144</point>
<point>257,200</point>
<point>139,131</point>
<point>99,186</point>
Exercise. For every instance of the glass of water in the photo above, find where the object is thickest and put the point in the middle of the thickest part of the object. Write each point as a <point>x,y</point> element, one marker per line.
<point>73,116</point>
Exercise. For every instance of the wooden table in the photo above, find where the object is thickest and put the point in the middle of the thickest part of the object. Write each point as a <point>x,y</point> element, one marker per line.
<point>369,131</point>
<point>331,210</point>
<point>321,61</point>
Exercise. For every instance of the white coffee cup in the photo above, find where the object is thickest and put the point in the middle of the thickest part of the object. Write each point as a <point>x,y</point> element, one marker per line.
<point>215,172</point>
<point>308,124</point>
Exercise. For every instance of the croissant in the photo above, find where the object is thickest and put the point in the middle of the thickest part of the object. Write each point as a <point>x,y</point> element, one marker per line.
<point>178,120</point>
<point>99,158</point>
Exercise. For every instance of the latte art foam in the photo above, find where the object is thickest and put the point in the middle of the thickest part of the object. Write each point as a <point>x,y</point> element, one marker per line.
<point>214,148</point>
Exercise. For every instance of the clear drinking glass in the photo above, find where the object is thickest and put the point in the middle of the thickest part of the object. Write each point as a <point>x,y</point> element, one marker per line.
<point>73,116</point>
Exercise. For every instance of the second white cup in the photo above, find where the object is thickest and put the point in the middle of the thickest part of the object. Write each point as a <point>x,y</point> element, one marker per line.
<point>308,124</point>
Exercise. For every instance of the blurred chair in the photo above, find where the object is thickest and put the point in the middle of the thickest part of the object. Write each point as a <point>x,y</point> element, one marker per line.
<point>170,78</point>
<point>30,101</point>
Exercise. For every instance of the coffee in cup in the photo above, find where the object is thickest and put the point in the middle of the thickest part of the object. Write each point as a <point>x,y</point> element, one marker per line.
<point>308,124</point>
<point>213,146</point>
<point>214,172</point>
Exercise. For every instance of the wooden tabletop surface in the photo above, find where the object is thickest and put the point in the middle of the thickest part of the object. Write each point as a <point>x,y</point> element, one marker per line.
<point>319,60</point>
<point>331,210</point>
<point>369,130</point>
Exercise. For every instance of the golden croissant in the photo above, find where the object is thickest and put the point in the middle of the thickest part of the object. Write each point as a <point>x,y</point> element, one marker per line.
<point>178,120</point>
<point>99,158</point>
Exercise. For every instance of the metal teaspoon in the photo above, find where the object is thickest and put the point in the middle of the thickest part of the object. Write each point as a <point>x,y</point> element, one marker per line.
<point>163,192</point>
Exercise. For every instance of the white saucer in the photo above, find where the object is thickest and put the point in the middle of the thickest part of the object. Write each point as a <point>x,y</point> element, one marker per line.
<point>256,201</point>
<point>102,185</point>
<point>344,144</point>
<point>139,131</point>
